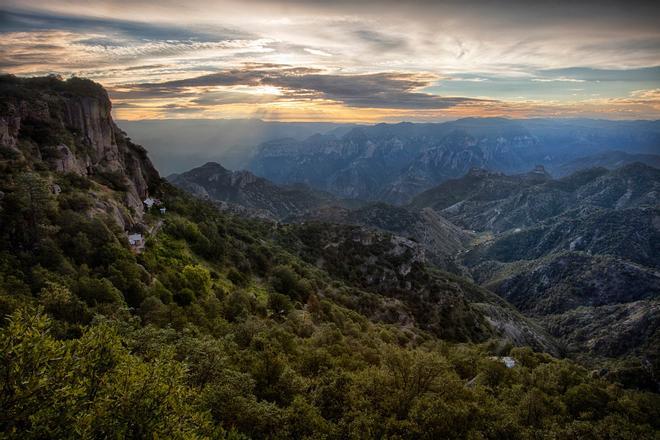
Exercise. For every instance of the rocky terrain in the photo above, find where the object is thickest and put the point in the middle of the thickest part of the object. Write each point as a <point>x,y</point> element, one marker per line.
<point>567,249</point>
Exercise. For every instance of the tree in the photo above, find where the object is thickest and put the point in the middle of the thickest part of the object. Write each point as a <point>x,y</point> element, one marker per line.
<point>198,279</point>
<point>33,203</point>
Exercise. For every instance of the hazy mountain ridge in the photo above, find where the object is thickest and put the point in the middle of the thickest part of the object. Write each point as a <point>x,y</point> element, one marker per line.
<point>608,159</point>
<point>394,162</point>
<point>493,202</point>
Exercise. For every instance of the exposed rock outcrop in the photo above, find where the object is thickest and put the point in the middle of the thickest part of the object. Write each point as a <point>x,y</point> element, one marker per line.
<point>68,125</point>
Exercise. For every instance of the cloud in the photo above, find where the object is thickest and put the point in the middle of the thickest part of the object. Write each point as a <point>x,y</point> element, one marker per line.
<point>231,97</point>
<point>374,90</point>
<point>317,52</point>
<point>381,41</point>
<point>592,74</point>
<point>559,79</point>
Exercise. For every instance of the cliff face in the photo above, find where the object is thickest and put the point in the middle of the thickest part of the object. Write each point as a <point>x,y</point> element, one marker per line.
<point>68,126</point>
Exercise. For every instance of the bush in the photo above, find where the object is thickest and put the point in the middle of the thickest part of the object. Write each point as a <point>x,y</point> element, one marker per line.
<point>236,277</point>
<point>279,304</point>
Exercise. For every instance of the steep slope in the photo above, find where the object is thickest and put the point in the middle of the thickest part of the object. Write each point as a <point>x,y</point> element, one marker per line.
<point>563,249</point>
<point>395,267</point>
<point>254,193</point>
<point>600,306</point>
<point>477,184</point>
<point>631,234</point>
<point>564,281</point>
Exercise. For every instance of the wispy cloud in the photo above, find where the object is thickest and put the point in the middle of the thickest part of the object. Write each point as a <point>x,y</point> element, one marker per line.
<point>376,90</point>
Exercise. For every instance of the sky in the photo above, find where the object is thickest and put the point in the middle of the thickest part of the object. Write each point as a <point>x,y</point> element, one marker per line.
<point>346,61</point>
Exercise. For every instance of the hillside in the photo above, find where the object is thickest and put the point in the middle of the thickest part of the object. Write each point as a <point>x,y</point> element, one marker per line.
<point>562,250</point>
<point>549,246</point>
<point>441,239</point>
<point>242,188</point>
<point>245,194</point>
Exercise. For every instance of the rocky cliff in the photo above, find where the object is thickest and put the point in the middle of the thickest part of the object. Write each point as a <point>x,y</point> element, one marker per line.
<point>67,126</point>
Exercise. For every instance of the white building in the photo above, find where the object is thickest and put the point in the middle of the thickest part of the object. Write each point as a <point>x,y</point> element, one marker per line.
<point>135,239</point>
<point>149,202</point>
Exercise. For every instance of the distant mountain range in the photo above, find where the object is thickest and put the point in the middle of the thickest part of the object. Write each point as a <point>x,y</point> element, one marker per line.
<point>394,162</point>
<point>607,159</point>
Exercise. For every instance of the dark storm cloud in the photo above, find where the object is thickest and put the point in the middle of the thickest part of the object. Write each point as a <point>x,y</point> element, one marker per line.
<point>375,90</point>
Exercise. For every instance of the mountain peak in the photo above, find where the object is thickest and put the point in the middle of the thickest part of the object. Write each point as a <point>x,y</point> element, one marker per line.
<point>212,164</point>
<point>538,173</point>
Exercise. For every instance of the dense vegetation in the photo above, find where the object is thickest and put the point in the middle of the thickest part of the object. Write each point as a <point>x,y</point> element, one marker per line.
<point>215,331</point>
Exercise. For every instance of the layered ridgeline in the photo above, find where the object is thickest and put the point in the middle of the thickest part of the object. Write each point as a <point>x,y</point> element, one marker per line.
<point>580,253</point>
<point>394,162</point>
<point>224,327</point>
<point>244,193</point>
